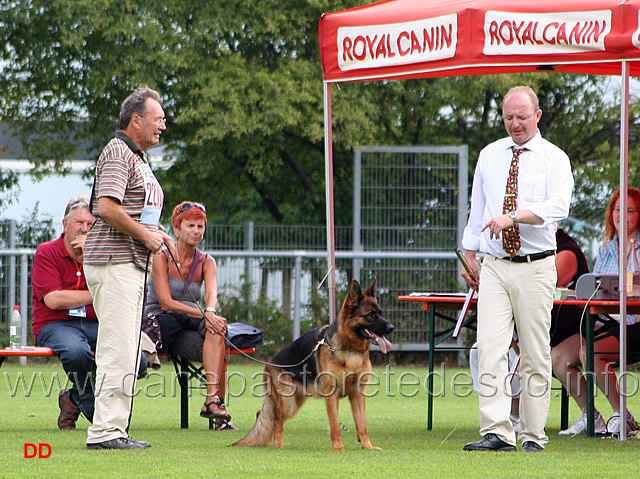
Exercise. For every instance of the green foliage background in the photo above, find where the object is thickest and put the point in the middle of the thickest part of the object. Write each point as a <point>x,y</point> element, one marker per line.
<point>242,84</point>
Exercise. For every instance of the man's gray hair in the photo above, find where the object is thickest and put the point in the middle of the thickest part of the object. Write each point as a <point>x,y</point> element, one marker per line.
<point>78,201</point>
<point>136,103</point>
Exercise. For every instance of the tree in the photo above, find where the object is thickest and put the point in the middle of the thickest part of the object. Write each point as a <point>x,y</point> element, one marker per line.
<point>242,84</point>
<point>241,79</point>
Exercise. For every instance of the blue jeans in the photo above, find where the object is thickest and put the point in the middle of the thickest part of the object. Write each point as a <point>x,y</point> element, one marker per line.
<point>74,341</point>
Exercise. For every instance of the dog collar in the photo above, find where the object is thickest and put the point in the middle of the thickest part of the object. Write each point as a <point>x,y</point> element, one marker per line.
<point>324,342</point>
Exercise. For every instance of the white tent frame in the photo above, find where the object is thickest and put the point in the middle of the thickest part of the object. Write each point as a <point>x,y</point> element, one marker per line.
<point>624,157</point>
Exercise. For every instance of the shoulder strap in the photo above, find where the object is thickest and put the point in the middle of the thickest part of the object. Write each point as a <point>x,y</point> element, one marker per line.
<point>194,265</point>
<point>192,272</point>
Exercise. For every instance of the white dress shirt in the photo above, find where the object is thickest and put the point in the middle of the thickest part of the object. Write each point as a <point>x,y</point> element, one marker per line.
<point>545,185</point>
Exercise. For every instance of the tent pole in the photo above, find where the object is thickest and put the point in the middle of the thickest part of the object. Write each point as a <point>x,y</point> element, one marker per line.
<point>624,168</point>
<point>328,172</point>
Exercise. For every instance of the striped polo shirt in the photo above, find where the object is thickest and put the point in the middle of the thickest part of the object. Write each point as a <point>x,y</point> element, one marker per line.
<point>120,174</point>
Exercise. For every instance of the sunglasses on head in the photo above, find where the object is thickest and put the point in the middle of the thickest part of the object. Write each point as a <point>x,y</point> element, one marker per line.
<point>188,205</point>
<point>76,204</point>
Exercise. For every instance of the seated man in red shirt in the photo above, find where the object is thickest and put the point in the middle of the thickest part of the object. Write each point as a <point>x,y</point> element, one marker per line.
<point>63,317</point>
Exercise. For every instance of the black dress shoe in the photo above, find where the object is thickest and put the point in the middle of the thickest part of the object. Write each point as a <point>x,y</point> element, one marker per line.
<point>490,442</point>
<point>144,444</point>
<point>530,446</point>
<point>119,443</point>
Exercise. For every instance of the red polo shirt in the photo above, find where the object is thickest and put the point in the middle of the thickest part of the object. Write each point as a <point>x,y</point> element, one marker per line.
<point>54,270</point>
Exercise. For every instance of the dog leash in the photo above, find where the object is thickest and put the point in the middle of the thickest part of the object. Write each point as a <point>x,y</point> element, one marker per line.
<point>321,342</point>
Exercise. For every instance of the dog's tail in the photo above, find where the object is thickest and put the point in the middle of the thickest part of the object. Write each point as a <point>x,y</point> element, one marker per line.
<point>264,428</point>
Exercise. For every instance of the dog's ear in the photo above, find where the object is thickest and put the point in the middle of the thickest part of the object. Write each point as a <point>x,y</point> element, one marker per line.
<point>371,290</point>
<point>355,293</point>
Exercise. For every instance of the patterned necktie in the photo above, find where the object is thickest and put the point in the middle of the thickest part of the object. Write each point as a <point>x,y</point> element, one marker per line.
<point>511,235</point>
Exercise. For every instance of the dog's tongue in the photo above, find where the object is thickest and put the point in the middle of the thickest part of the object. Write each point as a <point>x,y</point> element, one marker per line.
<point>383,344</point>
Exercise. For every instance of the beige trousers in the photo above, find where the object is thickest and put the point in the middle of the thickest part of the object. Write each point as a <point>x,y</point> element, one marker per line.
<point>519,294</point>
<point>117,291</point>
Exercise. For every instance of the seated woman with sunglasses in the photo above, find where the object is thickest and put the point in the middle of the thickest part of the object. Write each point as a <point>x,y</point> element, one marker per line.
<point>173,299</point>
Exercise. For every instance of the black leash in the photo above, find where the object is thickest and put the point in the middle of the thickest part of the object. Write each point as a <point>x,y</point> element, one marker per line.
<point>139,353</point>
<point>227,341</point>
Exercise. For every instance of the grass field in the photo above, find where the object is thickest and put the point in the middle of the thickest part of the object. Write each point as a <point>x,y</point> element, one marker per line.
<point>396,423</point>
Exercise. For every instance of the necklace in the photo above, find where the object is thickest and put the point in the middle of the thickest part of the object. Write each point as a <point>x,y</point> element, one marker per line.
<point>178,263</point>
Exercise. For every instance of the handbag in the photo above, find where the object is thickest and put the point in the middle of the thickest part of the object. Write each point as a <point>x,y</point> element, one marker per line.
<point>151,327</point>
<point>244,335</point>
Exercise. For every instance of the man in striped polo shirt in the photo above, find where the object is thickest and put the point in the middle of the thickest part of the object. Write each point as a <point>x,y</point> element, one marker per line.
<point>127,202</point>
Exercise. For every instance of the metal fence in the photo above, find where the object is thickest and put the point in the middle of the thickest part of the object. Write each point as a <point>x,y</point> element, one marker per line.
<point>283,292</point>
<point>409,198</point>
<point>286,289</point>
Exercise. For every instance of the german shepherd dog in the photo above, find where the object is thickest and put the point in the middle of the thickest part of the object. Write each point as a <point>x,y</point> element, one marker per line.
<point>331,362</point>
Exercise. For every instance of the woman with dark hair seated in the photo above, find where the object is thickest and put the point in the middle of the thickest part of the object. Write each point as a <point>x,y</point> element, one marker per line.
<point>173,299</point>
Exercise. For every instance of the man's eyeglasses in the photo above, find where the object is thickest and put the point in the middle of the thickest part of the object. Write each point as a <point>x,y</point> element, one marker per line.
<point>159,121</point>
<point>188,205</point>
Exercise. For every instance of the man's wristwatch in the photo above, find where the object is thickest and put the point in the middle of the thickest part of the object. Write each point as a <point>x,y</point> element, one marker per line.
<point>514,216</point>
<point>211,310</point>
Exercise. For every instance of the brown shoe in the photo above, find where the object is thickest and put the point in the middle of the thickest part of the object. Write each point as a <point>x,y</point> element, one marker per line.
<point>69,412</point>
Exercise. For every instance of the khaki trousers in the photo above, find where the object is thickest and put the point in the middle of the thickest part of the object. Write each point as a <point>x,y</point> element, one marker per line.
<point>117,291</point>
<point>519,294</point>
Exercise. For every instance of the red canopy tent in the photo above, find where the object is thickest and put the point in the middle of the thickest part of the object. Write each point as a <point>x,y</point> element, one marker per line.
<point>397,39</point>
<point>413,38</point>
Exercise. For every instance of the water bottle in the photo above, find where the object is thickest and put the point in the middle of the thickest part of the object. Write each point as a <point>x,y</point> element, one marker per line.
<point>15,329</point>
<point>633,268</point>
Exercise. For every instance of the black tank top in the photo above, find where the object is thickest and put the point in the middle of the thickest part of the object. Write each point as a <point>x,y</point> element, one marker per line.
<point>566,242</point>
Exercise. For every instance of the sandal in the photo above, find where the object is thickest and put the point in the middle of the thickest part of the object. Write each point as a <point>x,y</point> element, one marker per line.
<point>225,425</point>
<point>214,409</point>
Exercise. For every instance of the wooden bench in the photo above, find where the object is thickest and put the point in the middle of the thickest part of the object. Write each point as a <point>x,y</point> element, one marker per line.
<point>185,370</point>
